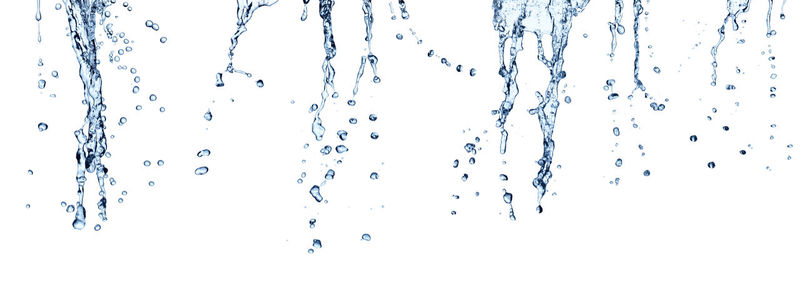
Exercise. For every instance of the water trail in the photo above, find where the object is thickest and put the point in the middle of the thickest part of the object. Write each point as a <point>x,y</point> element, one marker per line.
<point>304,16</point>
<point>735,7</point>
<point>373,60</point>
<point>770,31</point>
<point>783,16</point>
<point>616,26</point>
<point>325,7</point>
<point>637,11</point>
<point>38,21</point>
<point>512,18</point>
<point>91,136</point>
<point>244,12</point>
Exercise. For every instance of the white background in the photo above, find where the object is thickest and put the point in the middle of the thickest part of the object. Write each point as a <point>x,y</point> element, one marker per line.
<point>246,221</point>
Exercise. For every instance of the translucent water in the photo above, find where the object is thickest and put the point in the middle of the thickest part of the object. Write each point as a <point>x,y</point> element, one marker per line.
<point>325,7</point>
<point>315,193</point>
<point>373,60</point>
<point>735,7</point>
<point>244,12</point>
<point>403,11</point>
<point>616,26</point>
<point>512,19</point>
<point>201,171</point>
<point>92,146</point>
<point>366,237</point>
<point>42,126</point>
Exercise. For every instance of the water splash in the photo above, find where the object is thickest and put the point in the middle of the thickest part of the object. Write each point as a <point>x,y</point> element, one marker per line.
<point>735,7</point>
<point>616,26</point>
<point>244,12</point>
<point>325,8</point>
<point>373,60</point>
<point>512,18</point>
<point>91,136</point>
<point>637,11</point>
<point>403,11</point>
<point>770,31</point>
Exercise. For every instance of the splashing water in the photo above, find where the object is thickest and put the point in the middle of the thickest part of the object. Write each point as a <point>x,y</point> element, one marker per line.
<point>304,16</point>
<point>637,11</point>
<point>373,60</point>
<point>325,7</point>
<point>616,26</point>
<point>512,18</point>
<point>403,11</point>
<point>244,12</point>
<point>735,7</point>
<point>770,31</point>
<point>91,136</point>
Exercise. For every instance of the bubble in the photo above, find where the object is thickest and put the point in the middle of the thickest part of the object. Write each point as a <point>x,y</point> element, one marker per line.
<point>146,163</point>
<point>63,204</point>
<point>70,208</point>
<point>27,206</point>
<point>568,99</point>
<point>42,126</point>
<point>657,70</point>
<point>122,120</point>
<point>153,97</point>
<point>97,227</point>
<point>366,237</point>
<point>160,163</point>
<point>399,36</point>
<point>54,74</point>
<point>151,183</point>
<point>58,6</point>
<point>135,89</point>
<point>201,171</point>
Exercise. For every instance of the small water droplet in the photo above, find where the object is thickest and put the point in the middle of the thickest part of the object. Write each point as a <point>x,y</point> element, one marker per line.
<point>42,126</point>
<point>201,171</point>
<point>204,153</point>
<point>373,176</point>
<point>366,237</point>
<point>42,83</point>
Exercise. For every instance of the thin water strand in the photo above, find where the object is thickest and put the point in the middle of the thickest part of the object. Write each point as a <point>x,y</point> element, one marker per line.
<point>244,12</point>
<point>735,7</point>
<point>325,8</point>
<point>373,60</point>
<point>637,11</point>
<point>616,26</point>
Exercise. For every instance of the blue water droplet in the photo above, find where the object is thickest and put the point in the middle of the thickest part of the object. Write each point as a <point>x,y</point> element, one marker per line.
<point>353,120</point>
<point>613,96</point>
<point>317,244</point>
<point>201,171</point>
<point>315,193</point>
<point>42,83</point>
<point>568,99</point>
<point>70,208</point>
<point>312,223</point>
<point>472,72</point>
<point>711,165</point>
<point>204,153</point>
<point>342,135</point>
<point>146,163</point>
<point>341,149</point>
<point>330,174</point>
<point>373,176</point>
<point>122,120</point>
<point>373,117</point>
<point>464,177</point>
<point>97,227</point>
<point>503,177</point>
<point>646,173</point>
<point>366,237</point>
<point>152,183</point>
<point>374,135</point>
<point>153,97</point>
<point>260,83</point>
<point>160,163</point>
<point>693,138</point>
<point>208,116</point>
<point>42,126</point>
<point>616,131</point>
<point>399,36</point>
<point>507,197</point>
<point>326,150</point>
<point>455,164</point>
<point>618,163</point>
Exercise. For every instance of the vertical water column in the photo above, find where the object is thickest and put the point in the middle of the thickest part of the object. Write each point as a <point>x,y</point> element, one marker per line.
<point>91,136</point>
<point>325,7</point>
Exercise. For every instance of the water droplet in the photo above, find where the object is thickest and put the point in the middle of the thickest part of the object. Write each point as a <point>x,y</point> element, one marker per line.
<point>399,36</point>
<point>315,193</point>
<point>58,6</point>
<point>455,164</point>
<point>726,128</point>
<point>54,74</point>
<point>693,138</point>
<point>152,183</point>
<point>472,72</point>
<point>330,174</point>
<point>208,115</point>
<point>613,96</point>
<point>742,152</point>
<point>711,165</point>
<point>201,171</point>
<point>153,97</point>
<point>616,131</point>
<point>312,223</point>
<point>470,148</point>
<point>657,70</point>
<point>373,176</point>
<point>260,83</point>
<point>374,135</point>
<point>317,244</point>
<point>507,197</point>
<point>42,83</point>
<point>568,99</point>
<point>63,204</point>
<point>341,149</point>
<point>464,177</point>
<point>122,120</point>
<point>646,173</point>
<point>453,212</point>
<point>70,208</point>
<point>503,177</point>
<point>618,163</point>
<point>326,150</point>
<point>430,53</point>
<point>42,126</point>
<point>146,163</point>
<point>27,206</point>
<point>163,39</point>
<point>366,237</point>
<point>97,227</point>
<point>373,117</point>
<point>342,135</point>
